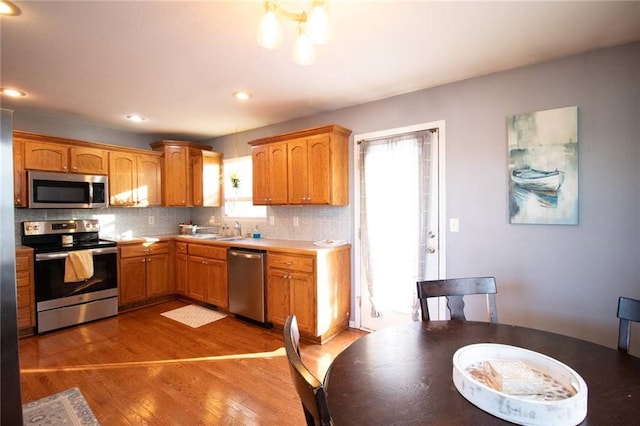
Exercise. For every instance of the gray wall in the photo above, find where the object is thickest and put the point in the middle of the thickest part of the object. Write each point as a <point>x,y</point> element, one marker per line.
<point>565,279</point>
<point>65,127</point>
<point>561,278</point>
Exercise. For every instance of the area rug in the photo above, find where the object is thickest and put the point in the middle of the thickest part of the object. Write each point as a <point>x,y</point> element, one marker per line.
<point>65,408</point>
<point>193,315</point>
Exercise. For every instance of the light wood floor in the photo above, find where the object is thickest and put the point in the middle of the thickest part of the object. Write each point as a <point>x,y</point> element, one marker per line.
<point>141,368</point>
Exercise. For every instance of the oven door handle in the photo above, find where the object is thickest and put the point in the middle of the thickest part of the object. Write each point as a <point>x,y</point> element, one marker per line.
<point>63,254</point>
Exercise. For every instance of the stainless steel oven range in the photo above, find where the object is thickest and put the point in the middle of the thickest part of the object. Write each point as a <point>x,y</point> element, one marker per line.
<point>64,302</point>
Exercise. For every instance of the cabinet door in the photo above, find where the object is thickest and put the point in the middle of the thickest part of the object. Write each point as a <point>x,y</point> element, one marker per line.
<point>19,174</point>
<point>260,165</point>
<point>26,308</point>
<point>88,160</point>
<point>46,156</point>
<point>303,301</point>
<point>182,276</point>
<point>176,182</point>
<point>148,190</point>
<point>211,179</point>
<point>197,285</point>
<point>319,170</point>
<point>297,169</point>
<point>158,275</point>
<point>278,173</point>
<point>133,279</point>
<point>197,180</point>
<point>122,178</point>
<point>270,174</point>
<point>277,296</point>
<point>217,288</point>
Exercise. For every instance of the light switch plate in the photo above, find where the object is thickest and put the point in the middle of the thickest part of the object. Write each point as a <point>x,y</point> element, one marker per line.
<point>454,224</point>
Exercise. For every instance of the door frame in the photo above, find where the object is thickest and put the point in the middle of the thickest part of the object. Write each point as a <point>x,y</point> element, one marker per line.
<point>440,125</point>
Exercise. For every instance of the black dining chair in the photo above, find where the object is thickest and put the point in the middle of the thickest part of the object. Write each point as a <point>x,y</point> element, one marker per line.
<point>309,388</point>
<point>628,310</point>
<point>454,289</point>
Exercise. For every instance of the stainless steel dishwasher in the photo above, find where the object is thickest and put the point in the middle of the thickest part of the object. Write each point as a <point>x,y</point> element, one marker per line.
<point>246,283</point>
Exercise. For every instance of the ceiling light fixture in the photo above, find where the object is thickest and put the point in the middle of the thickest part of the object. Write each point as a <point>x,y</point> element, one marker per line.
<point>242,95</point>
<point>136,118</point>
<point>8,9</point>
<point>12,92</point>
<point>313,29</point>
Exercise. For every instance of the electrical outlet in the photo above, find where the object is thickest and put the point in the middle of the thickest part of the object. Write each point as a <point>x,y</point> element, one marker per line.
<point>152,220</point>
<point>454,224</point>
<point>272,220</point>
<point>295,222</point>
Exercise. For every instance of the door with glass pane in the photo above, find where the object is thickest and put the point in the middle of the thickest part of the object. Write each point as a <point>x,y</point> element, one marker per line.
<point>397,213</point>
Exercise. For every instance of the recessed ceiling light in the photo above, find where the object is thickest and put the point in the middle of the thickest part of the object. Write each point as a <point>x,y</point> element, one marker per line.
<point>136,118</point>
<point>12,92</point>
<point>241,95</point>
<point>8,9</point>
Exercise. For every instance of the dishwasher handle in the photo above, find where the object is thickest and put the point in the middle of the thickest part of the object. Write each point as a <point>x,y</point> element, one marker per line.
<point>246,254</point>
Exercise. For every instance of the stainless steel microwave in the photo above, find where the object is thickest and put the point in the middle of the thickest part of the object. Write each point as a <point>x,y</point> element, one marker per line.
<point>51,190</point>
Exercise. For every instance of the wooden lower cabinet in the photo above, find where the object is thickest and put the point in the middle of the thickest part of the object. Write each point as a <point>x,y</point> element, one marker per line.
<point>314,288</point>
<point>144,273</point>
<point>207,274</point>
<point>182,267</point>
<point>26,302</point>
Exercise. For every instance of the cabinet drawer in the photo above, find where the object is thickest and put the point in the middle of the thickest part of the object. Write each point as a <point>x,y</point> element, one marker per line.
<point>291,262</point>
<point>182,248</point>
<point>135,250</point>
<point>208,251</point>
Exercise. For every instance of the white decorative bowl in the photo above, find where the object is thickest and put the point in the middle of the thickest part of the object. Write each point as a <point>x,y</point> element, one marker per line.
<point>564,402</point>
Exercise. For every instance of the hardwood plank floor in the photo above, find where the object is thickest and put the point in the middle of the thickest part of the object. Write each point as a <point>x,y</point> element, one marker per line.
<point>141,368</point>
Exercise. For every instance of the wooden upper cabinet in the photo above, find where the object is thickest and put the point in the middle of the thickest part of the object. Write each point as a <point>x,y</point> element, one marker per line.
<point>122,179</point>
<point>176,168</point>
<point>206,178</point>
<point>134,179</point>
<point>316,164</point>
<point>52,157</point>
<point>179,173</point>
<point>149,188</point>
<point>88,160</point>
<point>135,175</point>
<point>60,157</point>
<point>19,174</point>
<point>269,163</point>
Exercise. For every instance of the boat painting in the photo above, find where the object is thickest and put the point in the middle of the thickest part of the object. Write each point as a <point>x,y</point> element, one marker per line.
<point>543,167</point>
<point>538,180</point>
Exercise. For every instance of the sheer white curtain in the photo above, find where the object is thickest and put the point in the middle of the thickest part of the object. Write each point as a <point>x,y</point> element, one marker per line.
<point>395,207</point>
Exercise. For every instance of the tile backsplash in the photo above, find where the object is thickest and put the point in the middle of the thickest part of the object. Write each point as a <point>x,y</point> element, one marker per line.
<point>314,223</point>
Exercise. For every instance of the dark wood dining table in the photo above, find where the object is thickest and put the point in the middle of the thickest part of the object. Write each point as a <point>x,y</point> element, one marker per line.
<point>402,375</point>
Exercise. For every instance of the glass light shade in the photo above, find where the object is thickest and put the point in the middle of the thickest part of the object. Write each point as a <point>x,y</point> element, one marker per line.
<point>269,31</point>
<point>303,51</point>
<point>318,24</point>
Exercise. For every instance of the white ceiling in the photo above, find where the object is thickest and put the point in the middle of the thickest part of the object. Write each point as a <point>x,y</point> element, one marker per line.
<point>178,62</point>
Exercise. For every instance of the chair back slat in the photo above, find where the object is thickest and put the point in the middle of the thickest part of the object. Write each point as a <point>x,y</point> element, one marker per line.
<point>628,311</point>
<point>310,390</point>
<point>454,289</point>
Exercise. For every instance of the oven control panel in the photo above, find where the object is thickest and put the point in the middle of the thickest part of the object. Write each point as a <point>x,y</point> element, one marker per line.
<point>46,227</point>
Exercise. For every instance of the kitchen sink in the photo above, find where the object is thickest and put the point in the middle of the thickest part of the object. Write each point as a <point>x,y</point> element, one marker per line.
<point>215,237</point>
<point>229,238</point>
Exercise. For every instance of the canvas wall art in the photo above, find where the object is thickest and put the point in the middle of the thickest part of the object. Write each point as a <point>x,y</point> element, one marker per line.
<point>543,167</point>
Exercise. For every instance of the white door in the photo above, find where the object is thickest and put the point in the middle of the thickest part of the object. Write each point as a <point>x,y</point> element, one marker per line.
<point>399,220</point>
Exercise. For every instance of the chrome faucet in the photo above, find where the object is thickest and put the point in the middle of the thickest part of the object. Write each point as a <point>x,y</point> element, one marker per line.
<point>238,229</point>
